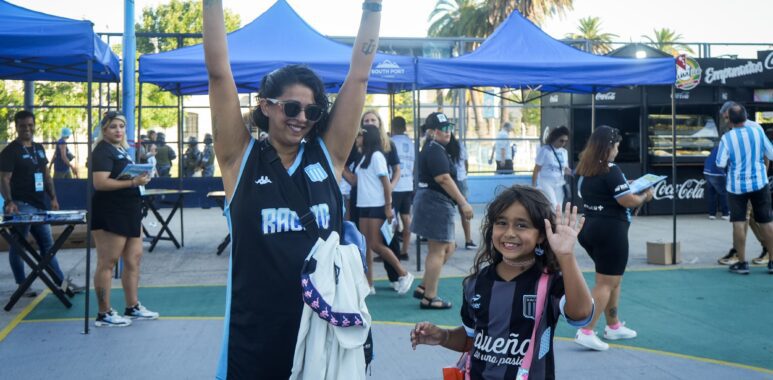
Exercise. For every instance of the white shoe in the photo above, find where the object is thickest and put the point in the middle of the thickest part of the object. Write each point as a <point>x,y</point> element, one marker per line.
<point>590,341</point>
<point>111,319</point>
<point>726,217</point>
<point>395,285</point>
<point>404,283</point>
<point>372,291</point>
<point>712,217</point>
<point>621,332</point>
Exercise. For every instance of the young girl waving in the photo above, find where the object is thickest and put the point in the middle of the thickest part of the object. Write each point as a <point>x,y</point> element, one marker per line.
<point>522,239</point>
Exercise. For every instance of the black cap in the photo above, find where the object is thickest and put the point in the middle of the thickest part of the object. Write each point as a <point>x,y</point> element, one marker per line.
<point>437,120</point>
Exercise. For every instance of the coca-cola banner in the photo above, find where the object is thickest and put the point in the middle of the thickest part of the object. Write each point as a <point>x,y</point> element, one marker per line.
<point>689,191</point>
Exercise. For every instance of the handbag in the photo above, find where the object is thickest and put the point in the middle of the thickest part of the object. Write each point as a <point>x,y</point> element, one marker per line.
<point>462,369</point>
<point>567,187</point>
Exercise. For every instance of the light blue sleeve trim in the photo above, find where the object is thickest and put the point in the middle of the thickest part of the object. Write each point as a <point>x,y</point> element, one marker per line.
<point>470,332</point>
<point>298,159</point>
<point>239,177</point>
<point>572,322</point>
<point>623,194</point>
<point>327,154</point>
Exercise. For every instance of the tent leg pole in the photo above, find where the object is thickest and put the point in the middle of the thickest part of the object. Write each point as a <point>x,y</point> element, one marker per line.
<point>593,111</point>
<point>416,142</point>
<point>673,172</point>
<point>89,184</point>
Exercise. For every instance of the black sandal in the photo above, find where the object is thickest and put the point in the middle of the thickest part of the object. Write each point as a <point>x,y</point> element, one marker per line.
<point>419,292</point>
<point>432,303</point>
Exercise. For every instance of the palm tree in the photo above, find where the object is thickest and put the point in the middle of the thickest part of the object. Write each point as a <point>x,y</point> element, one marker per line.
<point>535,10</point>
<point>667,40</point>
<point>590,30</point>
<point>458,18</point>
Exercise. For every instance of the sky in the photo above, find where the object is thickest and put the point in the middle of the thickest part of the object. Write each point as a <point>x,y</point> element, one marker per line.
<point>696,20</point>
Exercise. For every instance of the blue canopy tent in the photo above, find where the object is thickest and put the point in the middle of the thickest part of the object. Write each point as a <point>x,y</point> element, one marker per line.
<point>519,54</point>
<point>38,46</point>
<point>277,38</point>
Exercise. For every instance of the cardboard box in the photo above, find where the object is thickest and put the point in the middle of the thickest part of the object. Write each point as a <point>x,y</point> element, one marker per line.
<point>77,238</point>
<point>659,252</point>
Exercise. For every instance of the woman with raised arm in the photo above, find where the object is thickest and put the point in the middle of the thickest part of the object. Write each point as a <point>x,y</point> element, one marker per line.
<point>269,245</point>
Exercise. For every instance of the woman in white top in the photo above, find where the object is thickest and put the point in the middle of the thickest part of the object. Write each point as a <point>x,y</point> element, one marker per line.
<point>551,165</point>
<point>374,204</point>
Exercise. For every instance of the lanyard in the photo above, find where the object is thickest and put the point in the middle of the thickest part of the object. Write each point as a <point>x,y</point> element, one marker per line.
<point>33,155</point>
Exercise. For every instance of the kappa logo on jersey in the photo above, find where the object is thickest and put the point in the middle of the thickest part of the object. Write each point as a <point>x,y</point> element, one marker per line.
<point>315,172</point>
<point>529,306</point>
<point>277,220</point>
<point>475,302</point>
<point>263,180</point>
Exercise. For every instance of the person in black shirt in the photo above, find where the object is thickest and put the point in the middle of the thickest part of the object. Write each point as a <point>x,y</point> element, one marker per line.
<point>522,238</point>
<point>116,221</point>
<point>311,143</point>
<point>23,180</point>
<point>434,207</point>
<point>607,203</point>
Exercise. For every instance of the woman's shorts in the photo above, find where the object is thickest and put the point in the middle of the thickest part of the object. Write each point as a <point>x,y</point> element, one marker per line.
<point>433,216</point>
<point>606,241</point>
<point>124,218</point>
<point>372,212</point>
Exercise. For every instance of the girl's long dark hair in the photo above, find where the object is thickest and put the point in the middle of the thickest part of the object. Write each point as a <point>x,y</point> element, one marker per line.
<point>594,159</point>
<point>371,143</point>
<point>454,149</point>
<point>539,209</point>
<point>273,85</point>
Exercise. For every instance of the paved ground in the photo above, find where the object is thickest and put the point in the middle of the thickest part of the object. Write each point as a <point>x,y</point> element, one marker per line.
<point>191,346</point>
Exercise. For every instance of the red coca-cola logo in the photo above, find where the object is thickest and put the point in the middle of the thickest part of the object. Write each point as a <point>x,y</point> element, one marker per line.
<point>689,189</point>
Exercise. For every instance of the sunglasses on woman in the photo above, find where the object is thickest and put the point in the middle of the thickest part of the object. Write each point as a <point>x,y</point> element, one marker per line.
<point>293,108</point>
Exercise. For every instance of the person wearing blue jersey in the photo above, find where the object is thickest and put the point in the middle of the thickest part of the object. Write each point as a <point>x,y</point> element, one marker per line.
<point>743,151</point>
<point>311,143</point>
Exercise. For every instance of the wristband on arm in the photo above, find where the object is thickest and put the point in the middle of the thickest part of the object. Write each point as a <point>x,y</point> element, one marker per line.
<point>371,6</point>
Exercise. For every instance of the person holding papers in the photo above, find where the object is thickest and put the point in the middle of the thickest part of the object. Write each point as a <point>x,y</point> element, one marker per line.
<point>374,204</point>
<point>608,201</point>
<point>116,221</point>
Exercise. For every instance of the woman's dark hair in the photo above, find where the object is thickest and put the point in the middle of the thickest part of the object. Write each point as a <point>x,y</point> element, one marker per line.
<point>594,159</point>
<point>556,134</point>
<point>371,143</point>
<point>275,83</point>
<point>454,149</point>
<point>539,209</point>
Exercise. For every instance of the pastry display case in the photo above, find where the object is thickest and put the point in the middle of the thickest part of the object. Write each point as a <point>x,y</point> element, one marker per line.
<point>696,135</point>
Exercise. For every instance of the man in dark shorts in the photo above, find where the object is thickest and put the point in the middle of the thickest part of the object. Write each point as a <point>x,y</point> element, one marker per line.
<point>741,150</point>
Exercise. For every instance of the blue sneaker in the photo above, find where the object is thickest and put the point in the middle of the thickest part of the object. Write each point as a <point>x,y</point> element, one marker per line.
<point>741,267</point>
<point>140,312</point>
<point>111,319</point>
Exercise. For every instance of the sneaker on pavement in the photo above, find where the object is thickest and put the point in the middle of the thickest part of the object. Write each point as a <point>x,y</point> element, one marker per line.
<point>111,319</point>
<point>590,341</point>
<point>470,245</point>
<point>140,312</point>
<point>68,286</point>
<point>404,283</point>
<point>762,259</point>
<point>770,267</point>
<point>729,259</point>
<point>372,291</point>
<point>726,217</point>
<point>741,267</point>
<point>395,285</point>
<point>712,217</point>
<point>621,332</point>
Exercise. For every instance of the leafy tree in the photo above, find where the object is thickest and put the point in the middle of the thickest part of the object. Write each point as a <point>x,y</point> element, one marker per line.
<point>668,41</point>
<point>8,99</point>
<point>176,16</point>
<point>535,10</point>
<point>590,30</point>
<point>459,18</point>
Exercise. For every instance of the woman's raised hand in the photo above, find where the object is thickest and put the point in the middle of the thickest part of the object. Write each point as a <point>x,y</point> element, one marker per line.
<point>564,236</point>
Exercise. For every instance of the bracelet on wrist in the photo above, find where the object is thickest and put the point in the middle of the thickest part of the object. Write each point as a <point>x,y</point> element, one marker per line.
<point>371,6</point>
<point>448,335</point>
